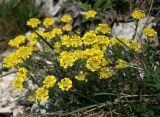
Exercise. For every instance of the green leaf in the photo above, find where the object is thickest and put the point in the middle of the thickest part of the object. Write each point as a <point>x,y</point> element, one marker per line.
<point>99,3</point>
<point>81,109</point>
<point>85,6</point>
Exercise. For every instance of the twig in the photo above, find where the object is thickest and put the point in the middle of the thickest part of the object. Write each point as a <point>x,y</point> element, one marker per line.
<point>135,30</point>
<point>85,97</point>
<point>44,40</point>
<point>8,74</point>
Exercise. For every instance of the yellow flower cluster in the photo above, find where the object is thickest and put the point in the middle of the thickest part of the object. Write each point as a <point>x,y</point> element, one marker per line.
<point>33,22</point>
<point>18,82</point>
<point>66,18</point>
<point>56,31</point>
<point>94,55</point>
<point>42,94</point>
<point>95,59</point>
<point>103,40</point>
<point>138,14</point>
<point>17,41</point>
<point>67,27</point>
<point>134,45</point>
<point>89,38</point>
<point>57,47</point>
<point>90,14</point>
<point>49,81</point>
<point>73,41</point>
<point>67,59</point>
<point>65,84</point>
<point>48,22</point>
<point>105,73</point>
<point>104,29</point>
<point>51,34</point>
<point>94,63</point>
<point>120,64</point>
<point>22,72</point>
<point>17,57</point>
<point>32,39</point>
<point>93,52</point>
<point>150,32</point>
<point>81,76</point>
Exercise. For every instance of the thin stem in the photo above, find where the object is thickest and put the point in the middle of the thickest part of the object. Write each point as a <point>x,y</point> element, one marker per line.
<point>8,73</point>
<point>44,40</point>
<point>135,30</point>
<point>86,97</point>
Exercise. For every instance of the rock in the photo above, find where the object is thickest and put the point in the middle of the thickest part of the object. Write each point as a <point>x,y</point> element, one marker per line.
<point>7,109</point>
<point>8,96</point>
<point>37,107</point>
<point>127,30</point>
<point>18,112</point>
<point>50,7</point>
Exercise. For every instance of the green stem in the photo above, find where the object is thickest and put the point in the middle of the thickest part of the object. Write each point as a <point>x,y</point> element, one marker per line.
<point>8,74</point>
<point>86,97</point>
<point>44,40</point>
<point>135,30</point>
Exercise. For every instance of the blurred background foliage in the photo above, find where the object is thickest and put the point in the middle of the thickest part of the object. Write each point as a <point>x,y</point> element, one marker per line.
<point>14,14</point>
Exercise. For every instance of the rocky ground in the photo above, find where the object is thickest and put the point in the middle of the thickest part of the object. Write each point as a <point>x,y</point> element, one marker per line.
<point>8,96</point>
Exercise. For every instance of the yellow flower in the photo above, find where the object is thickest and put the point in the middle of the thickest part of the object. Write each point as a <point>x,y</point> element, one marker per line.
<point>150,32</point>
<point>24,52</point>
<point>93,52</point>
<point>56,31</point>
<point>89,38</point>
<point>65,84</point>
<point>76,41</point>
<point>113,41</point>
<point>32,39</point>
<point>138,14</point>
<point>134,45</point>
<point>105,73</point>
<point>57,47</point>
<point>103,40</point>
<point>67,27</point>
<point>22,72</point>
<point>33,22</point>
<point>49,81</point>
<point>94,63</point>
<point>67,59</point>
<point>73,41</point>
<point>66,18</point>
<point>17,57</point>
<point>81,76</point>
<point>90,14</point>
<point>42,94</point>
<point>48,22</point>
<point>78,54</point>
<point>65,39</point>
<point>120,64</point>
<point>18,83</point>
<point>104,29</point>
<point>17,41</point>
<point>11,60</point>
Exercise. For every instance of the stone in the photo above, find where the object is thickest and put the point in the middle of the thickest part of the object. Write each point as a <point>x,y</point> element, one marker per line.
<point>50,7</point>
<point>127,30</point>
